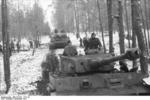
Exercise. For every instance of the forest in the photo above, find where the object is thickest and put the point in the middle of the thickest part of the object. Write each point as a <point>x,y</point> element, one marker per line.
<point>83,16</point>
<point>25,21</point>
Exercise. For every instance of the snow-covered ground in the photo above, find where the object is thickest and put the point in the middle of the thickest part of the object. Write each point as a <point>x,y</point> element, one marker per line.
<point>25,69</point>
<point>44,40</point>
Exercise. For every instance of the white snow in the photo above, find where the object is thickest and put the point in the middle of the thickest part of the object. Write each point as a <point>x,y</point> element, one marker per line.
<point>25,69</point>
<point>25,44</point>
<point>45,40</point>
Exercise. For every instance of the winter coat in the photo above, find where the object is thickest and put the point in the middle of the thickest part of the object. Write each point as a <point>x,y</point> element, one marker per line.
<point>70,51</point>
<point>94,43</point>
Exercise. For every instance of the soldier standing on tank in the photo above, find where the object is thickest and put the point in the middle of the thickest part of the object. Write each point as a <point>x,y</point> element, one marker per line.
<point>70,50</point>
<point>94,43</point>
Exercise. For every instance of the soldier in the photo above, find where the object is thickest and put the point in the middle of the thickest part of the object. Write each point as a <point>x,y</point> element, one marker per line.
<point>49,66</point>
<point>81,42</point>
<point>1,48</point>
<point>31,43</point>
<point>123,66</point>
<point>85,43</point>
<point>94,43</point>
<point>70,50</point>
<point>53,61</point>
<point>18,46</point>
<point>12,45</point>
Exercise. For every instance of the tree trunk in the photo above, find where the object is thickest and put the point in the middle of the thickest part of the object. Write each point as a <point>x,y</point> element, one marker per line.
<point>133,30</point>
<point>149,20</point>
<point>76,19</point>
<point>6,48</point>
<point>101,25</point>
<point>134,44</point>
<point>88,17</point>
<point>147,24</point>
<point>127,23</point>
<point>110,25</point>
<point>144,29</point>
<point>121,28</point>
<point>136,25</point>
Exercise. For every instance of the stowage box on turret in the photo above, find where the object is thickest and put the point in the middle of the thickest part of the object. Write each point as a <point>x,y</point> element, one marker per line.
<point>95,75</point>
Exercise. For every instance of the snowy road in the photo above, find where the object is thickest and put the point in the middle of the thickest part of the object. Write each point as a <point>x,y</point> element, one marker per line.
<point>25,69</point>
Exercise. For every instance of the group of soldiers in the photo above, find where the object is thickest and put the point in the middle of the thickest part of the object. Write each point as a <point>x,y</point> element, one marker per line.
<point>92,43</point>
<point>89,44</point>
<point>11,47</point>
<point>15,46</point>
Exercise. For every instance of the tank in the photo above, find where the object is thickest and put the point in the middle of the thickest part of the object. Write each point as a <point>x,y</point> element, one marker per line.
<point>59,41</point>
<point>95,75</point>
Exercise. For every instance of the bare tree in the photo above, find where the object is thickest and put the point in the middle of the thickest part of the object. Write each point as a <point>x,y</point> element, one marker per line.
<point>110,25</point>
<point>144,29</point>
<point>101,25</point>
<point>76,16</point>
<point>136,25</point>
<point>127,22</point>
<point>146,18</point>
<point>121,27</point>
<point>6,45</point>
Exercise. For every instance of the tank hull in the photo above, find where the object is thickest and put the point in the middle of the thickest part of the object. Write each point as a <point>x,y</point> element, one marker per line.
<point>58,44</point>
<point>109,92</point>
<point>100,84</point>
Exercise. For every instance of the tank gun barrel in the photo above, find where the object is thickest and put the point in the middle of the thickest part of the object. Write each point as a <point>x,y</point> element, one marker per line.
<point>131,54</point>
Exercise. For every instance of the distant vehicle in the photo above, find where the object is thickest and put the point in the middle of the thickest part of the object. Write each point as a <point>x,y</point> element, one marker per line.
<point>59,41</point>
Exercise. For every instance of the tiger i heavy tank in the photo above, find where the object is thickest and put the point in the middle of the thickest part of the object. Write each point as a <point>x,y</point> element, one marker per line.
<point>95,75</point>
<point>59,41</point>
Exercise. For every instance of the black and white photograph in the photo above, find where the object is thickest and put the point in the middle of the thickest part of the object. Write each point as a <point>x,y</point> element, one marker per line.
<point>74,48</point>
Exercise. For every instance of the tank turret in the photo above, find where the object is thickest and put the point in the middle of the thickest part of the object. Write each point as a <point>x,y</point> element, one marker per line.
<point>94,63</point>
